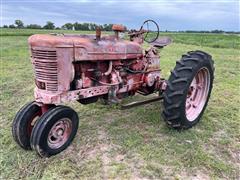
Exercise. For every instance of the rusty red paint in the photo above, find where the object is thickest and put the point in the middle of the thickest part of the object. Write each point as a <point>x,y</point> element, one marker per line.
<point>72,67</point>
<point>44,108</point>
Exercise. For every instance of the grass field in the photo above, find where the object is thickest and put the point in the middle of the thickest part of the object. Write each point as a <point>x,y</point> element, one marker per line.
<point>135,143</point>
<point>203,39</point>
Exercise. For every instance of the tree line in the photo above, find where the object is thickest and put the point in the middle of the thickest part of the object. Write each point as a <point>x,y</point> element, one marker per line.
<point>68,26</point>
<point>90,27</point>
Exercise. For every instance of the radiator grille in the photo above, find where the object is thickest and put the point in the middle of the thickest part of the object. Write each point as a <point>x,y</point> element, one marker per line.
<point>45,64</point>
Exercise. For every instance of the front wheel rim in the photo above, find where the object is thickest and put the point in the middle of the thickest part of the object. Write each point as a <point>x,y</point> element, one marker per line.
<point>59,133</point>
<point>32,122</point>
<point>197,94</point>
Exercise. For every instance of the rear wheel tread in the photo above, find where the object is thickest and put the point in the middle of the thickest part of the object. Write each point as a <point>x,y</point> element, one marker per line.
<point>174,106</point>
<point>184,68</point>
<point>173,117</point>
<point>174,73</point>
<point>169,85</point>
<point>176,93</point>
<point>167,99</point>
<point>181,63</point>
<point>196,60</point>
<point>183,79</point>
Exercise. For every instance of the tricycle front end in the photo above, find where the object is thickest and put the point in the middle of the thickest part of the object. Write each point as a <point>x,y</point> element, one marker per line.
<point>86,68</point>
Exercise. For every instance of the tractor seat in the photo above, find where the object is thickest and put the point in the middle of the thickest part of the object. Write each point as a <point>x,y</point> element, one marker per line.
<point>161,42</point>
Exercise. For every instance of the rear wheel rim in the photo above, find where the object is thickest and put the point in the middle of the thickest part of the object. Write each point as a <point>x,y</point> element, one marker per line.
<point>197,94</point>
<point>59,133</point>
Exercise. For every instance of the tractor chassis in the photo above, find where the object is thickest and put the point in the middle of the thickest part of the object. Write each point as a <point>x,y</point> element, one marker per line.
<point>139,103</point>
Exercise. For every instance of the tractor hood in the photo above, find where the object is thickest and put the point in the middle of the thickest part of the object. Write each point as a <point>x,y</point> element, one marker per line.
<point>86,47</point>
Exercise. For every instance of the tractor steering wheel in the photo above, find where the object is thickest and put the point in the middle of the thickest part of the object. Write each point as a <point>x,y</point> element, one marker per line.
<point>151,30</point>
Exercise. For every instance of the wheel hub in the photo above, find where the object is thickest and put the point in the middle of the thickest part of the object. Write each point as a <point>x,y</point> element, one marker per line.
<point>59,133</point>
<point>32,122</point>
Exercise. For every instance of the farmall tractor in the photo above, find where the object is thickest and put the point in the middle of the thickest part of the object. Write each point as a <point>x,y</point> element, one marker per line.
<point>86,68</point>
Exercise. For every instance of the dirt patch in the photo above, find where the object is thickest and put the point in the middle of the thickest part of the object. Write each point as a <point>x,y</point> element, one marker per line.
<point>104,147</point>
<point>88,152</point>
<point>119,157</point>
<point>199,175</point>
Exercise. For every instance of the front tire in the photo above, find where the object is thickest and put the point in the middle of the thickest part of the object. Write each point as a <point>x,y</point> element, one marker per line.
<point>188,90</point>
<point>23,124</point>
<point>54,131</point>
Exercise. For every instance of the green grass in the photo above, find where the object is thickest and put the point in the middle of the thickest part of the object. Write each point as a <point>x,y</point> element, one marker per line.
<point>134,143</point>
<point>199,39</point>
<point>206,39</point>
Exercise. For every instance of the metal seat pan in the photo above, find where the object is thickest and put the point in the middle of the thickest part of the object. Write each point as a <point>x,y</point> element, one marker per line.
<point>161,42</point>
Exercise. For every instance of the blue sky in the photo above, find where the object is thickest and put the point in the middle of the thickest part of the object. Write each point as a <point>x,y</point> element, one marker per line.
<point>170,14</point>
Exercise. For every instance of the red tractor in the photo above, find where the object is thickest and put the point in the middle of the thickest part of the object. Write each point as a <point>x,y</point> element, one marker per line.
<point>86,68</point>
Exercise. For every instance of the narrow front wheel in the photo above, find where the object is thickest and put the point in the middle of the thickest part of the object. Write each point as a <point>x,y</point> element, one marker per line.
<point>54,131</point>
<point>24,122</point>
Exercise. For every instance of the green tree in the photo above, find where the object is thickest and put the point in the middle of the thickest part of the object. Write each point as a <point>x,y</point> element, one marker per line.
<point>78,26</point>
<point>12,26</point>
<point>68,26</point>
<point>92,26</point>
<point>34,26</point>
<point>19,23</point>
<point>107,27</point>
<point>85,26</point>
<point>217,31</point>
<point>49,25</point>
<point>75,25</point>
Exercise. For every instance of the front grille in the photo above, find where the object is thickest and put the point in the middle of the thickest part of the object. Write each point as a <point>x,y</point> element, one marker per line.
<point>45,65</point>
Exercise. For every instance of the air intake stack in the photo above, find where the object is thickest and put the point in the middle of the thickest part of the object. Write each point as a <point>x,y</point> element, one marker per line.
<point>118,28</point>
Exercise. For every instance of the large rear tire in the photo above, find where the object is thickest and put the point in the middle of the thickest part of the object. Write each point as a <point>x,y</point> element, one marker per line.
<point>188,90</point>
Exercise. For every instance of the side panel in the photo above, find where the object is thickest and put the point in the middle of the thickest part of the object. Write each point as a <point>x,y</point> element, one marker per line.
<point>107,50</point>
<point>65,68</point>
